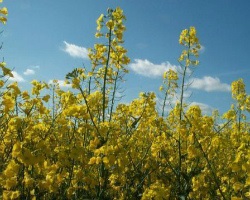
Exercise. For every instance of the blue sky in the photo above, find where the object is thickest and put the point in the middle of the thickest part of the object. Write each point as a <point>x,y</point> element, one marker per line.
<point>46,39</point>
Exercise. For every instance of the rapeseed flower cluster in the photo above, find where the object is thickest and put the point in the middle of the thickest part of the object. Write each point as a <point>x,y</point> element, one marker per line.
<point>82,143</point>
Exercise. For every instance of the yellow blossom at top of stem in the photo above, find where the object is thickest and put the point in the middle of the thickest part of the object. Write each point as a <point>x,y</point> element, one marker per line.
<point>118,13</point>
<point>4,11</point>
<point>190,41</point>
<point>170,79</point>
<point>188,37</point>
<point>170,75</point>
<point>238,87</point>
<point>238,90</point>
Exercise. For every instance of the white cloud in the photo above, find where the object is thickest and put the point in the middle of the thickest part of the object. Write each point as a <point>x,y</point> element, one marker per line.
<point>206,109</point>
<point>29,72</point>
<point>75,51</point>
<point>202,49</point>
<point>36,67</point>
<point>149,69</point>
<point>60,82</point>
<point>209,84</point>
<point>16,77</point>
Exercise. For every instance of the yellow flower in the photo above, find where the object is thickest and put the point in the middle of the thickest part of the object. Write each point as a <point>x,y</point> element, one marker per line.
<point>25,95</point>
<point>100,19</point>
<point>98,34</point>
<point>9,103</point>
<point>118,13</point>
<point>28,180</point>
<point>191,43</point>
<point>15,88</point>
<point>99,22</point>
<point>46,98</point>
<point>92,161</point>
<point>17,149</point>
<point>110,24</point>
<point>11,169</point>
<point>3,19</point>
<point>11,194</point>
<point>1,83</point>
<point>238,186</point>
<point>236,198</point>
<point>11,182</point>
<point>105,160</point>
<point>4,11</point>
<point>5,70</point>
<point>238,90</point>
<point>248,181</point>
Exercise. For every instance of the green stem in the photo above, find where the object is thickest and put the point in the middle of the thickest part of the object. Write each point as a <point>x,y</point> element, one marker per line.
<point>105,78</point>
<point>113,96</point>
<point>164,104</point>
<point>180,119</point>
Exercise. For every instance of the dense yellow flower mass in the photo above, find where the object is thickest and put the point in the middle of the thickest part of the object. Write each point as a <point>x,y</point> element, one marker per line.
<point>84,144</point>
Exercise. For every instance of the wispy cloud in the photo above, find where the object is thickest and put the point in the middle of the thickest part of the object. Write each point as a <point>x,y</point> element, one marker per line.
<point>16,77</point>
<point>235,72</point>
<point>61,83</point>
<point>202,49</point>
<point>29,72</point>
<point>75,51</point>
<point>36,67</point>
<point>149,69</point>
<point>141,45</point>
<point>209,84</point>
